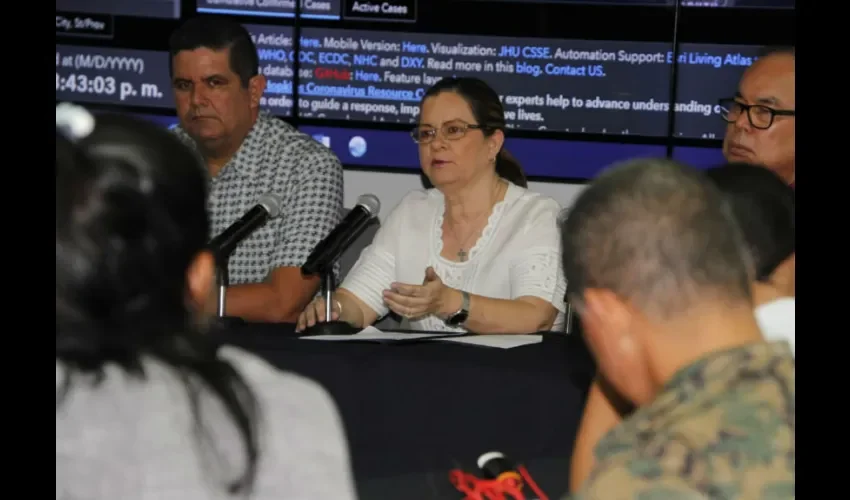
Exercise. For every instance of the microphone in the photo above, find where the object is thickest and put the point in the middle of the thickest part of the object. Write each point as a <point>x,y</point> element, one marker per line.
<point>513,480</point>
<point>268,207</point>
<point>330,249</point>
<point>501,480</point>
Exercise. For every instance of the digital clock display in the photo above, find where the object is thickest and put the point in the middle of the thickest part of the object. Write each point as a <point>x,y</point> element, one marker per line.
<point>113,76</point>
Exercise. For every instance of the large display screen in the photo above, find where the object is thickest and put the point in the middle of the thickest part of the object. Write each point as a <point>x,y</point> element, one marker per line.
<point>746,4</point>
<point>373,80</point>
<point>708,73</point>
<point>539,157</point>
<point>328,10</point>
<point>275,48</point>
<point>542,158</point>
<point>113,76</point>
<point>168,9</point>
<point>562,85</point>
<point>129,77</point>
<point>580,86</point>
<point>369,77</point>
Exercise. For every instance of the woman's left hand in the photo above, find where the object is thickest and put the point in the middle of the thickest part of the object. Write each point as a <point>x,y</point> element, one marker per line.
<point>416,301</point>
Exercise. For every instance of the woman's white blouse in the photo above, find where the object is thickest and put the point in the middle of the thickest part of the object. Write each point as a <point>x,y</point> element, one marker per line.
<point>517,255</point>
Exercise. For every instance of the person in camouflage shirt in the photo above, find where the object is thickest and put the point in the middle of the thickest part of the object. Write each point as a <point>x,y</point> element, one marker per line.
<point>659,274</point>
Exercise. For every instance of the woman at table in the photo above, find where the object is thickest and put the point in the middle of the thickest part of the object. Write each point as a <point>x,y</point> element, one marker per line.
<point>478,252</point>
<point>145,408</point>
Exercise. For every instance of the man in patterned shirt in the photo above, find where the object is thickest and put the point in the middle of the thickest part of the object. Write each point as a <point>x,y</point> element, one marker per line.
<point>660,276</point>
<point>217,89</point>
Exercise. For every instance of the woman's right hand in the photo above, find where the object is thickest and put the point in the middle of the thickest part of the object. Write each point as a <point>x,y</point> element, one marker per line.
<point>315,313</point>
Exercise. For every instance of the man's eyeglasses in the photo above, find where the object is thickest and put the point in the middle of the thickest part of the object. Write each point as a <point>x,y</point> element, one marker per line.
<point>760,117</point>
<point>450,131</point>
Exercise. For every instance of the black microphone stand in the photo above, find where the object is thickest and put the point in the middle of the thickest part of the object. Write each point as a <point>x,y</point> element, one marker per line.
<point>222,281</point>
<point>329,327</point>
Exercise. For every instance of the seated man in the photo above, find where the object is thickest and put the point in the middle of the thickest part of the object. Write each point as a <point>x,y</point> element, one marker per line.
<point>763,206</point>
<point>660,275</point>
<point>218,88</point>
<point>761,125</point>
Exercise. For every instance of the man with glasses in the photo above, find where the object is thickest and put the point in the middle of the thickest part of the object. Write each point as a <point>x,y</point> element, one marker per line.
<point>760,117</point>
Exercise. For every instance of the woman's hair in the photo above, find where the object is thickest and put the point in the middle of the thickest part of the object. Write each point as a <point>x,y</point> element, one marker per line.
<point>488,112</point>
<point>130,218</point>
<point>763,205</point>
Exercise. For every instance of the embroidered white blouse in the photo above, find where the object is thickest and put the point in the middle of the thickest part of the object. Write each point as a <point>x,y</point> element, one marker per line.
<point>517,255</point>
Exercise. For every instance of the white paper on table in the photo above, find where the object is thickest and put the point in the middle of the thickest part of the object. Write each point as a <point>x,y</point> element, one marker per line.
<point>499,341</point>
<point>372,333</point>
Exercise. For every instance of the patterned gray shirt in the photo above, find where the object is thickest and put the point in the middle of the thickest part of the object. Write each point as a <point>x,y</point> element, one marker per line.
<point>276,158</point>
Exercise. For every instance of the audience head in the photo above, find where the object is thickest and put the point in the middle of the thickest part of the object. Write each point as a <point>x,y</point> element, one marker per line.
<point>761,124</point>
<point>648,245</point>
<point>461,134</point>
<point>216,81</point>
<point>763,206</point>
<point>132,274</point>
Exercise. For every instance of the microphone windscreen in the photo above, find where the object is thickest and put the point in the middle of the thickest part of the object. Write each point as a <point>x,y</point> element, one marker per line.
<point>371,203</point>
<point>272,203</point>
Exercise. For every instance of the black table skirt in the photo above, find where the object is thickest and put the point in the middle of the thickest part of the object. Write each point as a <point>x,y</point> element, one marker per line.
<point>413,411</point>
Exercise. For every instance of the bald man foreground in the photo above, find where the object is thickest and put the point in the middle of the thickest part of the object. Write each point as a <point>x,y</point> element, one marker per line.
<point>760,117</point>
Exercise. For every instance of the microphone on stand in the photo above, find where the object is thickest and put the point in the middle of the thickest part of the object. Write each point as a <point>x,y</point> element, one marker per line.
<point>327,253</point>
<point>267,208</point>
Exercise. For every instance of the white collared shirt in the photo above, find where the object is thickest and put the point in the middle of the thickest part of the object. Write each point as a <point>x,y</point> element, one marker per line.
<point>777,320</point>
<point>517,255</point>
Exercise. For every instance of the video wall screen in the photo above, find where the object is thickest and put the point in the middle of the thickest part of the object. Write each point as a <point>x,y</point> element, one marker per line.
<point>578,86</point>
<point>542,158</point>
<point>167,9</point>
<point>708,73</point>
<point>744,4</point>
<point>359,87</point>
<point>325,10</point>
<point>127,77</point>
<point>333,86</point>
<point>566,86</point>
<point>104,75</point>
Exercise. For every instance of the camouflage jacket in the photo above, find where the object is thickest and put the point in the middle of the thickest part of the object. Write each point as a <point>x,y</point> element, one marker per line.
<point>722,428</point>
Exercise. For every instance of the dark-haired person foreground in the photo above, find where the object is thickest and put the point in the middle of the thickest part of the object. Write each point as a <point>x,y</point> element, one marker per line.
<point>479,251</point>
<point>248,153</point>
<point>145,408</point>
<point>761,127</point>
<point>763,207</point>
<point>661,278</point>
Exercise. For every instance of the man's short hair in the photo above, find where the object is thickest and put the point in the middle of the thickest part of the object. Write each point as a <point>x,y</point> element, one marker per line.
<point>217,33</point>
<point>763,206</point>
<point>658,234</point>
